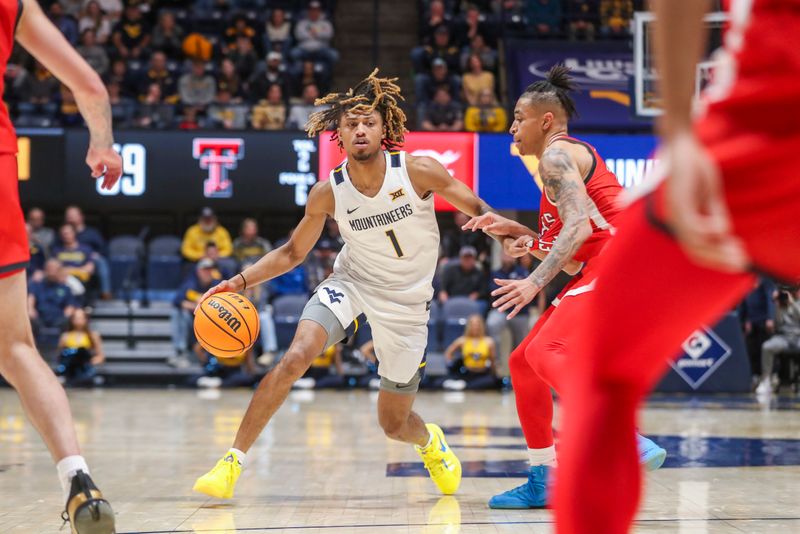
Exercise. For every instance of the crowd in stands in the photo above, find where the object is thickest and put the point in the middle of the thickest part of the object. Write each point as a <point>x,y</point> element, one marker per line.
<point>70,270</point>
<point>227,64</point>
<point>456,62</point>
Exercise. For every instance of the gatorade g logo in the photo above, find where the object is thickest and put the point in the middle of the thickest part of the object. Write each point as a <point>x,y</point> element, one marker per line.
<point>218,156</point>
<point>225,315</point>
<point>703,352</point>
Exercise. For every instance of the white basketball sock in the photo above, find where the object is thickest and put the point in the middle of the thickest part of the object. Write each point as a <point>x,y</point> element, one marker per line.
<point>546,456</point>
<point>430,440</point>
<point>240,455</point>
<point>67,467</point>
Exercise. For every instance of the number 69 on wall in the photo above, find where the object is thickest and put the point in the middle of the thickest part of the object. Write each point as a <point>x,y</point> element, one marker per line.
<point>133,181</point>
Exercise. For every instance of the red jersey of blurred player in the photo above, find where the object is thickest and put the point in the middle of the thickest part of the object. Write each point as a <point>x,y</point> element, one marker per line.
<point>603,189</point>
<point>9,15</point>
<point>14,253</point>
<point>645,305</point>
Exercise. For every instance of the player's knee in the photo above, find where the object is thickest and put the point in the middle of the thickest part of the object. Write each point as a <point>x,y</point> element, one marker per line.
<point>517,363</point>
<point>294,363</point>
<point>392,425</point>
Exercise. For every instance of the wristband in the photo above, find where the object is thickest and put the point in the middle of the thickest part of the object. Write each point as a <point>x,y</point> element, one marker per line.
<point>244,281</point>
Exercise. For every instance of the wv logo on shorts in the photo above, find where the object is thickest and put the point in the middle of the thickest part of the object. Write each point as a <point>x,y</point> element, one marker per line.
<point>703,352</point>
<point>334,295</point>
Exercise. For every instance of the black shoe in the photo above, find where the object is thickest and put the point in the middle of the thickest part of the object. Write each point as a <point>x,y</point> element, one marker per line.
<point>87,511</point>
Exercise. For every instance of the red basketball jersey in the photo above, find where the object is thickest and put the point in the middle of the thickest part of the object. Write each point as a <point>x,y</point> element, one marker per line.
<point>603,188</point>
<point>9,14</point>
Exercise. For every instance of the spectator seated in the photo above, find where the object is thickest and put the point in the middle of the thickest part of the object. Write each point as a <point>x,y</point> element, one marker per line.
<point>200,234</point>
<point>195,284</point>
<point>80,351</point>
<point>50,303</point>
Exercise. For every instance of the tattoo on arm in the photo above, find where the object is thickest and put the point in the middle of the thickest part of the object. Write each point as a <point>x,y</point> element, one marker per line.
<point>563,184</point>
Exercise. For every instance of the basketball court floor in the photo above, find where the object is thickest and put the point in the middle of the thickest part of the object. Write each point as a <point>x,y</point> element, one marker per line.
<point>324,466</point>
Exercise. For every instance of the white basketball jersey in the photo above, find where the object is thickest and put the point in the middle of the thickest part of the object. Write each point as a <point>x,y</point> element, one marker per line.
<point>391,239</point>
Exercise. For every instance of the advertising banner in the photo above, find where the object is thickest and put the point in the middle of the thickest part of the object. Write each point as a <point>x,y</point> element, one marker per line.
<point>455,151</point>
<point>602,71</point>
<point>507,180</point>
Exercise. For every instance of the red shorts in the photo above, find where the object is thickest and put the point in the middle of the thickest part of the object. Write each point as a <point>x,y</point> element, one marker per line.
<point>14,249</point>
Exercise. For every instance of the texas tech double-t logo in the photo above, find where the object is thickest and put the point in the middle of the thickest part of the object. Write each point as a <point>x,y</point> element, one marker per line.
<point>218,156</point>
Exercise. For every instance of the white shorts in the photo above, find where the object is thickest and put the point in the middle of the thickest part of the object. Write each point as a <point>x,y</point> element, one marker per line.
<point>399,331</point>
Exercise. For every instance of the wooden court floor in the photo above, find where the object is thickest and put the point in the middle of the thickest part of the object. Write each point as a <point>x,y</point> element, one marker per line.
<point>324,466</point>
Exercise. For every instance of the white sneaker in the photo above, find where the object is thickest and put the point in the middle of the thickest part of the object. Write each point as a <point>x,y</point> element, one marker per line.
<point>209,382</point>
<point>305,383</point>
<point>454,385</point>
<point>764,387</point>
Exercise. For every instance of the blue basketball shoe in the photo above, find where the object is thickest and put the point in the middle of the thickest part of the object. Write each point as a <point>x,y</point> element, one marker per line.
<point>532,494</point>
<point>651,456</point>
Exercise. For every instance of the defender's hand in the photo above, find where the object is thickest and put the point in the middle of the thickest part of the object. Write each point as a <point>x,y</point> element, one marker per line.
<point>105,164</point>
<point>516,248</point>
<point>516,293</point>
<point>490,222</point>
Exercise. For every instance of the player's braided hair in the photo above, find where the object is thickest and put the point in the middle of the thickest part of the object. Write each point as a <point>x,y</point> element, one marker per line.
<point>555,89</point>
<point>370,94</point>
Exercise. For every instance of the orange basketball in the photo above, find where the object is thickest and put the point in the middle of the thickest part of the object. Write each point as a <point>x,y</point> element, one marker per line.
<point>226,325</point>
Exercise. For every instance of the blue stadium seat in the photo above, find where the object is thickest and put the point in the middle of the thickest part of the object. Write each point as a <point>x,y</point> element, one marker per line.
<point>124,252</point>
<point>455,312</point>
<point>286,312</point>
<point>164,262</point>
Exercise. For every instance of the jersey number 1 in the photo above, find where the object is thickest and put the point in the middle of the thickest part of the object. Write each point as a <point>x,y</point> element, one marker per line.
<point>395,244</point>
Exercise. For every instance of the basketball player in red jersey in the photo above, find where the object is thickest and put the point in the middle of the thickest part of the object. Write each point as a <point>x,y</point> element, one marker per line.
<point>42,396</point>
<point>683,253</point>
<point>576,220</point>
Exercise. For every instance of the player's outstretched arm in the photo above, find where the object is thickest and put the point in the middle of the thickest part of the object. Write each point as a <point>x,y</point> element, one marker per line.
<point>45,42</point>
<point>564,186</point>
<point>292,253</point>
<point>429,176</point>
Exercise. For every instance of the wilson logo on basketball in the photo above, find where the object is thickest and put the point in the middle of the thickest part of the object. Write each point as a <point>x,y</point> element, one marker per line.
<point>225,315</point>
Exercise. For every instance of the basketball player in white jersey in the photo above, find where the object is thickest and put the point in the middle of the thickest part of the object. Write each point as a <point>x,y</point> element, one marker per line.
<point>382,200</point>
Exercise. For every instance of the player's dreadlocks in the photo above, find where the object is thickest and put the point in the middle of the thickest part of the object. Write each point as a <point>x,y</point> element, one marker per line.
<point>555,89</point>
<point>370,94</point>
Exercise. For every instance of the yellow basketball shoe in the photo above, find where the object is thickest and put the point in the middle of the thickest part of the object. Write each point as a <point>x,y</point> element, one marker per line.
<point>440,461</point>
<point>220,481</point>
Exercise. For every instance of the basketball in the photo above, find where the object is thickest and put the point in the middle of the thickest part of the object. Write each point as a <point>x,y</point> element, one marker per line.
<point>226,325</point>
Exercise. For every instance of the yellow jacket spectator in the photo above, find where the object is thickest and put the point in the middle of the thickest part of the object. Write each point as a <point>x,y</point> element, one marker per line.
<point>487,116</point>
<point>199,235</point>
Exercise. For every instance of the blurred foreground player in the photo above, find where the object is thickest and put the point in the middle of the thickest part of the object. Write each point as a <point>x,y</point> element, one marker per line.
<point>382,200</point>
<point>685,253</point>
<point>578,211</point>
<point>42,397</point>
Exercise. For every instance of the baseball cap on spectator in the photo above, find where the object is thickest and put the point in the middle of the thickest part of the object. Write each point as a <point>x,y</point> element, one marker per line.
<point>467,251</point>
<point>207,213</point>
<point>206,263</point>
<point>274,55</point>
<point>315,4</point>
<point>439,62</point>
